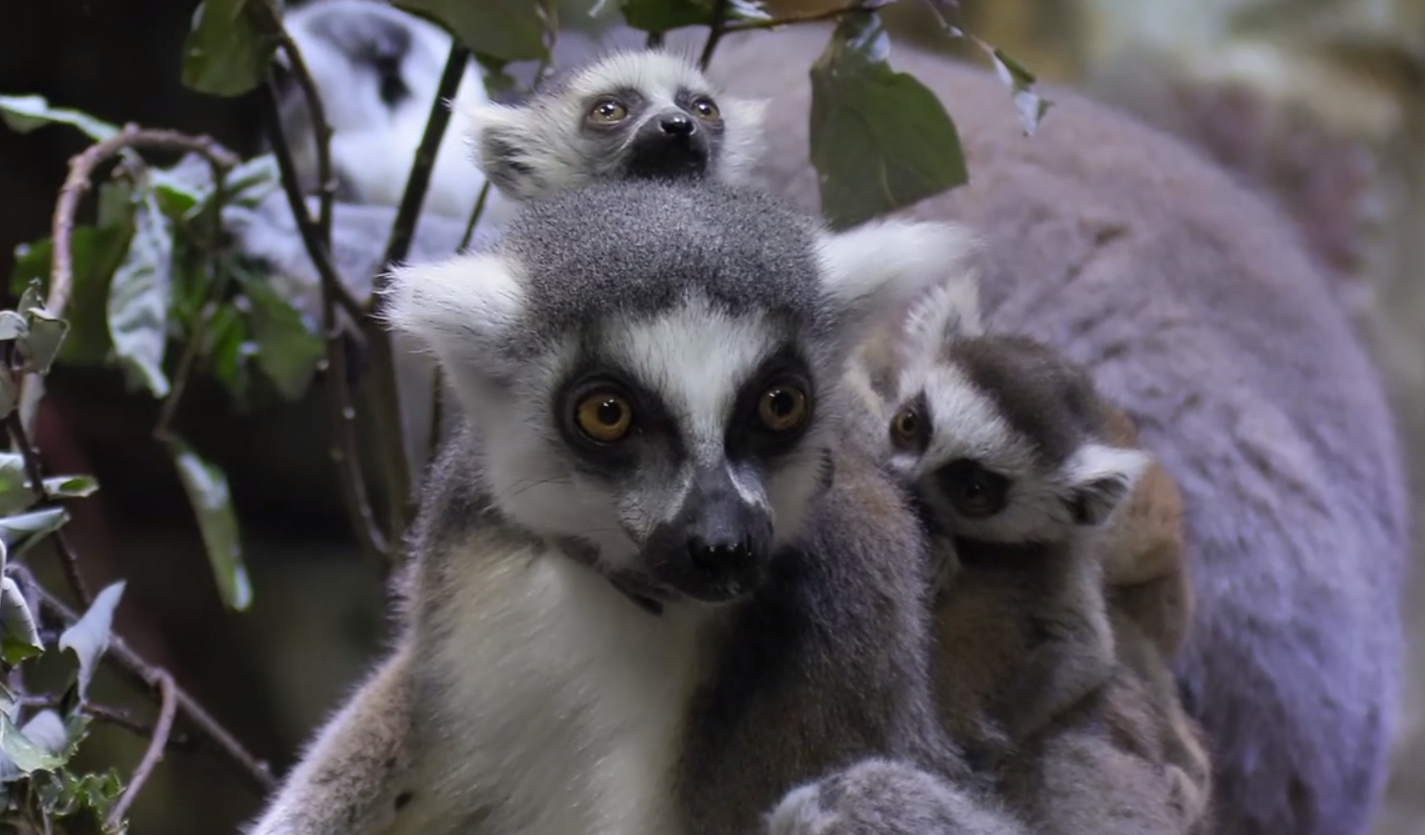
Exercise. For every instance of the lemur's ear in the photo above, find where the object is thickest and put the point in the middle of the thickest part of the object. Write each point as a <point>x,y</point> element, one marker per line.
<point>505,146</point>
<point>947,312</point>
<point>459,309</point>
<point>1098,478</point>
<point>884,264</point>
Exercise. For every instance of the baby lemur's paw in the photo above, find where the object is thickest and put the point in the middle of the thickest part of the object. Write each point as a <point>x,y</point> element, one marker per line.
<point>885,797</point>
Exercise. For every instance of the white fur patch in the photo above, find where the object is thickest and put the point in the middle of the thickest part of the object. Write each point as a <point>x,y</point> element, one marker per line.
<point>867,269</point>
<point>949,311</point>
<point>800,812</point>
<point>373,142</point>
<point>457,307</point>
<point>1093,462</point>
<point>564,703</point>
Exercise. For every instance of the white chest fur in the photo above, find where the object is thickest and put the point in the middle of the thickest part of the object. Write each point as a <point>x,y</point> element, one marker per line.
<point>565,702</point>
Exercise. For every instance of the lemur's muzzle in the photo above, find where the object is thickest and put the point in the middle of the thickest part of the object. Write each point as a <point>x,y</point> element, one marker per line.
<point>718,546</point>
<point>669,145</point>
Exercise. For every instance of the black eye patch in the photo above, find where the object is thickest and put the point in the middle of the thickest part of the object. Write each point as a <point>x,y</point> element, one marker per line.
<point>972,490</point>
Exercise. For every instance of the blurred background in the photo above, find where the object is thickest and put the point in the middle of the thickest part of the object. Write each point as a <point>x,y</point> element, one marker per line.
<point>1319,104</point>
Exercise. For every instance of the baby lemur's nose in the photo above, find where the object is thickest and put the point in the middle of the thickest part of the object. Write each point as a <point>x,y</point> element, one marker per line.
<point>676,124</point>
<point>719,556</point>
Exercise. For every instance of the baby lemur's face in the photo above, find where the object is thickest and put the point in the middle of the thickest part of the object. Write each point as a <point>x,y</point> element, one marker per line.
<point>1000,437</point>
<point>645,114</point>
<point>653,370</point>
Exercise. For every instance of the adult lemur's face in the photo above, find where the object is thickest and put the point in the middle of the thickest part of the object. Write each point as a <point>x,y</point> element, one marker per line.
<point>654,370</point>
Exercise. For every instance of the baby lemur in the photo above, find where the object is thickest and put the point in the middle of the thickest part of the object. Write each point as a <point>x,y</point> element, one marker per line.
<point>1020,468</point>
<point>648,592</point>
<point>645,113</point>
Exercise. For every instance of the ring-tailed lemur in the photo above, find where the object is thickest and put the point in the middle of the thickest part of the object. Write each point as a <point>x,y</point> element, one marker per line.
<point>1011,453</point>
<point>1202,315</point>
<point>647,592</point>
<point>645,113</point>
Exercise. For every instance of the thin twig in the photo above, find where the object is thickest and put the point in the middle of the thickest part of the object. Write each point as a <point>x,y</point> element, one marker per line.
<point>385,395</point>
<point>716,28</point>
<point>807,17</point>
<point>167,706</point>
<point>270,18</point>
<point>81,171</point>
<point>148,676</point>
<point>188,359</point>
<point>345,451</point>
<point>33,472</point>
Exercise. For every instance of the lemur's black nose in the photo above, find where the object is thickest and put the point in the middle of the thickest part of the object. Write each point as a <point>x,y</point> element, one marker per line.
<point>719,557</point>
<point>676,124</point>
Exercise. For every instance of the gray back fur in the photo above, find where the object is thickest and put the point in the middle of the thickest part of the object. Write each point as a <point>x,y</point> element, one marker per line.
<point>1198,311</point>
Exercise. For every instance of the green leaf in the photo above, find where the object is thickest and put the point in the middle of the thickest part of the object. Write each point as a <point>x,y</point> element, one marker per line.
<point>25,113</point>
<point>508,30</point>
<point>252,181</point>
<point>1031,105</point>
<point>207,490</point>
<point>44,340</point>
<point>97,253</point>
<point>16,495</point>
<point>88,637</point>
<point>63,793</point>
<point>20,756</point>
<point>226,52</point>
<point>12,325</point>
<point>228,349</point>
<point>880,140</point>
<point>139,298</point>
<point>19,533</point>
<point>19,636</point>
<point>287,351</point>
<point>666,15</point>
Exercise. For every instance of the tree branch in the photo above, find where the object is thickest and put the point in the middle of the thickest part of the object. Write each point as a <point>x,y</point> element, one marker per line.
<point>384,392</point>
<point>81,172</point>
<point>168,705</point>
<point>150,677</point>
<point>716,29</point>
<point>346,451</point>
<point>807,17</point>
<point>35,474</point>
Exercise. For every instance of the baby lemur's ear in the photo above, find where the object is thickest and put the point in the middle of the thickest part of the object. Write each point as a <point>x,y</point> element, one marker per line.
<point>505,144</point>
<point>1098,478</point>
<point>882,265</point>
<point>459,309</point>
<point>948,312</point>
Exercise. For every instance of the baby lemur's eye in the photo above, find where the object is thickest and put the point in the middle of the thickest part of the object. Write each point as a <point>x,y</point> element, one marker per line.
<point>906,427</point>
<point>603,416</point>
<point>975,492</point>
<point>782,407</point>
<point>608,110</point>
<point>706,109</point>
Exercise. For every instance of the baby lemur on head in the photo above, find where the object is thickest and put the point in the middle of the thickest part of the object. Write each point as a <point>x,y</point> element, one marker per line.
<point>631,114</point>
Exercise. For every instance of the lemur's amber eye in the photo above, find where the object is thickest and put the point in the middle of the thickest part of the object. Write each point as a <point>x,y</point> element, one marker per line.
<point>782,408</point>
<point>905,426</point>
<point>604,417</point>
<point>706,109</point>
<point>608,111</point>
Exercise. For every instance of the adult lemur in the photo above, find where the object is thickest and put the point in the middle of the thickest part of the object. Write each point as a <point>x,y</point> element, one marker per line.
<point>1198,311</point>
<point>647,593</point>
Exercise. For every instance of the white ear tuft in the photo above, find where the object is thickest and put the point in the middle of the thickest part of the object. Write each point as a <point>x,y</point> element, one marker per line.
<point>1099,478</point>
<point>867,269</point>
<point>499,140</point>
<point>948,312</point>
<point>458,308</point>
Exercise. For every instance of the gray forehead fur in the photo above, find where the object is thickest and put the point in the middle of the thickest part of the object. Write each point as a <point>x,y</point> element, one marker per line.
<point>639,248</point>
<point>1047,399</point>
